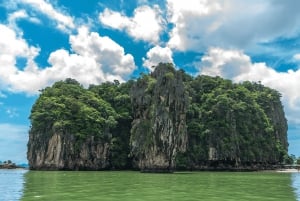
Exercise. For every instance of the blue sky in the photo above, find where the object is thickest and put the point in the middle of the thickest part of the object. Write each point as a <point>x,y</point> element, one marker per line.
<point>43,41</point>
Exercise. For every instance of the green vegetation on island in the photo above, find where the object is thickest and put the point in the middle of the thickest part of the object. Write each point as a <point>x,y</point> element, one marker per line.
<point>162,121</point>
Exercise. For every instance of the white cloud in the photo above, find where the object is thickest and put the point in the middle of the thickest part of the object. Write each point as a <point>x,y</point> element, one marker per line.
<point>13,140</point>
<point>17,15</point>
<point>146,23</point>
<point>114,19</point>
<point>236,65</point>
<point>199,24</point>
<point>94,59</point>
<point>13,46</point>
<point>192,22</point>
<point>20,14</point>
<point>64,21</point>
<point>296,57</point>
<point>156,55</point>
<point>225,63</point>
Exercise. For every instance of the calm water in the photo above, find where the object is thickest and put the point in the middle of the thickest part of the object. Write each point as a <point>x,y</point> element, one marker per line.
<point>133,186</point>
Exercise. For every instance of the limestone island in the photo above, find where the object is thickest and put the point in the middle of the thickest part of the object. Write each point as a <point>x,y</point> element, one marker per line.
<point>9,165</point>
<point>163,121</point>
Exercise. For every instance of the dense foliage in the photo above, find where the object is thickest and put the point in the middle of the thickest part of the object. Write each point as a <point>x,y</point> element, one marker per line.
<point>233,124</point>
<point>118,96</point>
<point>228,124</point>
<point>103,112</point>
<point>68,107</point>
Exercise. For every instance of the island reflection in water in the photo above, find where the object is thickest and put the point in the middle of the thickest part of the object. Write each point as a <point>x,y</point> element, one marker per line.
<point>109,185</point>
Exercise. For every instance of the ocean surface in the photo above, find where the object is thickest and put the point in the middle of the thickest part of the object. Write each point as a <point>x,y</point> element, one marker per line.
<point>134,186</point>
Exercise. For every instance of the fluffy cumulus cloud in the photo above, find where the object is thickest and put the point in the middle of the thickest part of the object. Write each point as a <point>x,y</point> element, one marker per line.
<point>146,24</point>
<point>236,65</point>
<point>191,21</point>
<point>94,59</point>
<point>225,63</point>
<point>199,24</point>
<point>13,47</point>
<point>156,55</point>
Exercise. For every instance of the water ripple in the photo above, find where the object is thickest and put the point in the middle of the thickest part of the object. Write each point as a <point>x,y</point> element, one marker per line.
<point>11,184</point>
<point>296,184</point>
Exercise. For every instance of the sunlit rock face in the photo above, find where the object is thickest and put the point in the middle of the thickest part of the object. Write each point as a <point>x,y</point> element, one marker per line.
<point>158,131</point>
<point>63,152</point>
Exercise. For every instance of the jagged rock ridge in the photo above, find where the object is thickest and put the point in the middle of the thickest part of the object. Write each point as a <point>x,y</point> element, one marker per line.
<point>160,103</point>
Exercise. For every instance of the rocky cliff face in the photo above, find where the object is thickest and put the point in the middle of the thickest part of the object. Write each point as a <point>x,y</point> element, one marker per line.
<point>64,152</point>
<point>271,104</point>
<point>70,129</point>
<point>158,130</point>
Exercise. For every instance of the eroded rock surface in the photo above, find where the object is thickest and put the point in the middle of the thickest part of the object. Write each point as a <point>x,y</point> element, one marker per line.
<point>63,152</point>
<point>159,127</point>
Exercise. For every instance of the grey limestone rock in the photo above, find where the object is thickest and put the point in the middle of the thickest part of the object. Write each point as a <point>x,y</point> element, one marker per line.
<point>158,130</point>
<point>63,152</point>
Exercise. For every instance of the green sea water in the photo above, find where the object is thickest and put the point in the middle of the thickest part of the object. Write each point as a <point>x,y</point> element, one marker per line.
<point>134,186</point>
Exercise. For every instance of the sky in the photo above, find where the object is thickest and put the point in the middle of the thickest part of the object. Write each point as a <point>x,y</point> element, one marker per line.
<point>94,41</point>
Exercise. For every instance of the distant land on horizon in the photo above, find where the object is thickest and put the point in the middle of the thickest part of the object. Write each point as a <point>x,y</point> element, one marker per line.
<point>11,165</point>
